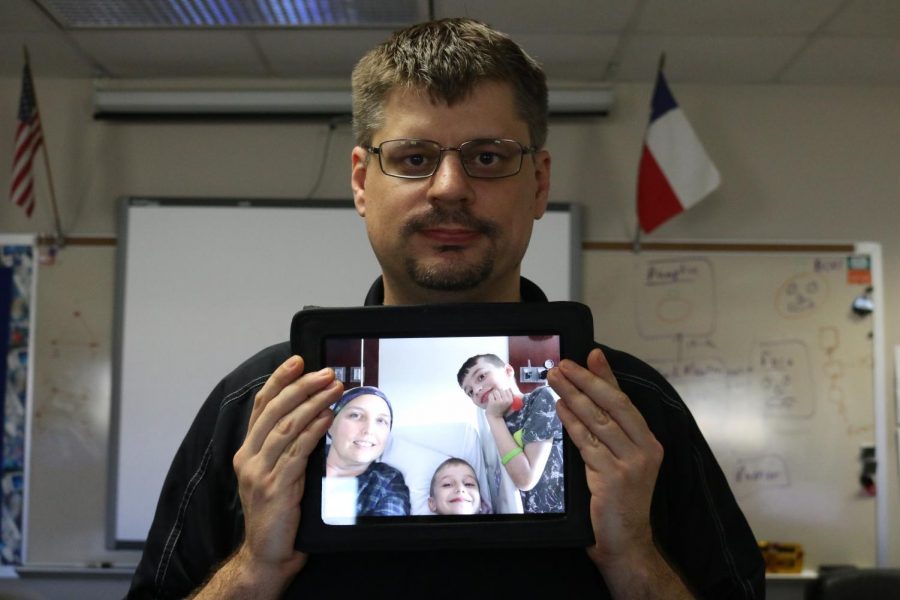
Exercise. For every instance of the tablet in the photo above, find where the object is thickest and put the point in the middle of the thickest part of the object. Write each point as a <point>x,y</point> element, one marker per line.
<point>447,434</point>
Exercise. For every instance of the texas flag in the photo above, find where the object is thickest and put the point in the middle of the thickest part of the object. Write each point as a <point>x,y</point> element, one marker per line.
<point>675,171</point>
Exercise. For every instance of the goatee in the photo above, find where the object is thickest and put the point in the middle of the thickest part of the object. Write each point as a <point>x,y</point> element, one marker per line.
<point>452,275</point>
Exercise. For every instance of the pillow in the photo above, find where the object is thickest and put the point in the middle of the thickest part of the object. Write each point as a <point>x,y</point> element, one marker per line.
<point>417,463</point>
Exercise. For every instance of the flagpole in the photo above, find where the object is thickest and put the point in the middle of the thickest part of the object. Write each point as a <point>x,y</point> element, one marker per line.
<point>56,219</point>
<point>636,244</point>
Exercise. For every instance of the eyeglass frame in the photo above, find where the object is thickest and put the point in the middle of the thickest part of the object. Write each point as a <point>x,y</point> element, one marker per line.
<point>376,150</point>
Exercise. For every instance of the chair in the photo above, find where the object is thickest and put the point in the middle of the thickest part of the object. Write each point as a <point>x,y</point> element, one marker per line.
<point>856,584</point>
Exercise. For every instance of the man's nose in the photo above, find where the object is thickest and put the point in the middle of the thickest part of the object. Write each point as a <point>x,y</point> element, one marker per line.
<point>450,181</point>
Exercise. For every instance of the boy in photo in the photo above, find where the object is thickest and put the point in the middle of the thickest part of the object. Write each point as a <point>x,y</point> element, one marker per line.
<point>525,428</point>
<point>454,489</point>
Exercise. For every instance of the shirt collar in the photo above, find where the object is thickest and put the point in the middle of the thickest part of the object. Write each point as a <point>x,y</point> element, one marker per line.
<point>528,291</point>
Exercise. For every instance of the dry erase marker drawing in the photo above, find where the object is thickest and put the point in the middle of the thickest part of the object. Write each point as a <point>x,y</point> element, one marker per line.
<point>677,298</point>
<point>759,473</point>
<point>834,369</point>
<point>782,369</point>
<point>801,295</point>
<point>76,335</point>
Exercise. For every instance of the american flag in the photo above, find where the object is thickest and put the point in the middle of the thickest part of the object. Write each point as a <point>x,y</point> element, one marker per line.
<point>29,138</point>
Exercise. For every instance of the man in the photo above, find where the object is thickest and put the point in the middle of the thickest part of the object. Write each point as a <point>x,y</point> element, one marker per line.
<point>449,220</point>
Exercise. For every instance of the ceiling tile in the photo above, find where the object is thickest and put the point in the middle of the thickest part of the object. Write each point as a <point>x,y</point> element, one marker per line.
<point>138,53</point>
<point>561,16</point>
<point>311,53</point>
<point>848,60</point>
<point>702,59</point>
<point>868,17</point>
<point>707,41</point>
<point>571,57</point>
<point>23,15</point>
<point>735,17</point>
<point>51,56</point>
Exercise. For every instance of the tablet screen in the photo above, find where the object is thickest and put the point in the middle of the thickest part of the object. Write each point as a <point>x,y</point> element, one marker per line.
<point>443,428</point>
<point>447,433</point>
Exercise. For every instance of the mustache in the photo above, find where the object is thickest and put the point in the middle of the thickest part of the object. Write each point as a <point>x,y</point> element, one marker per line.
<point>441,217</point>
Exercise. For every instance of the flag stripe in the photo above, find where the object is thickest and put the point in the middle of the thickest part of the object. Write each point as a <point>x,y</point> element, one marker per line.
<point>29,138</point>
<point>663,101</point>
<point>22,175</point>
<point>657,202</point>
<point>27,145</point>
<point>681,156</point>
<point>675,172</point>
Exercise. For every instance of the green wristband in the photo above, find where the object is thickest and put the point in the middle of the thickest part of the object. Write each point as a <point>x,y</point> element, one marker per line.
<point>510,455</point>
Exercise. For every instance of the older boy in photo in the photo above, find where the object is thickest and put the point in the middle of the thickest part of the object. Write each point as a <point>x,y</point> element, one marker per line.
<point>525,428</point>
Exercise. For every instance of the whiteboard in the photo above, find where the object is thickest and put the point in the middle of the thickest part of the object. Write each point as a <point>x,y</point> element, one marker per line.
<point>777,369</point>
<point>202,285</point>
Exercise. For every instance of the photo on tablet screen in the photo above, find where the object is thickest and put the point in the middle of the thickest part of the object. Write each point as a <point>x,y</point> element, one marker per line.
<point>443,428</point>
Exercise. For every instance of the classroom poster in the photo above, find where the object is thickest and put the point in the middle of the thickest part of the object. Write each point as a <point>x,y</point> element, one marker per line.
<point>16,327</point>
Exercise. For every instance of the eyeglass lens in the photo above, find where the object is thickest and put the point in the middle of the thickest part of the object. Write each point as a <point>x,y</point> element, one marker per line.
<point>480,158</point>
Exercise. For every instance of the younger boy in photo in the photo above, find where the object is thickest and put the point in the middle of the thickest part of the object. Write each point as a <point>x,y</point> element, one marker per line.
<point>454,490</point>
<point>525,428</point>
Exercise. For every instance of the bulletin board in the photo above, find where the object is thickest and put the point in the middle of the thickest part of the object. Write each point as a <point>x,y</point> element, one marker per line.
<point>18,280</point>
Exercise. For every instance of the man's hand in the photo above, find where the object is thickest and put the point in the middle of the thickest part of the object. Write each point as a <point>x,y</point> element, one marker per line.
<point>622,458</point>
<point>290,415</point>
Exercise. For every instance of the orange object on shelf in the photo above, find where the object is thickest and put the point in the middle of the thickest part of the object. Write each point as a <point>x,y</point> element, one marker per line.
<point>782,557</point>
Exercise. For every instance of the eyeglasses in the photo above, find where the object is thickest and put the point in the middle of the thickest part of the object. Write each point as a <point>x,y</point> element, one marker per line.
<point>482,159</point>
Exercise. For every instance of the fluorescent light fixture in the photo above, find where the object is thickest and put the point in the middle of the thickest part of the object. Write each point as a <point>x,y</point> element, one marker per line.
<point>112,103</point>
<point>219,14</point>
<point>582,101</point>
<point>143,102</point>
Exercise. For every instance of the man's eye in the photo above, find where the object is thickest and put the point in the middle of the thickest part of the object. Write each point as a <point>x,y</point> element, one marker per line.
<point>487,158</point>
<point>416,160</point>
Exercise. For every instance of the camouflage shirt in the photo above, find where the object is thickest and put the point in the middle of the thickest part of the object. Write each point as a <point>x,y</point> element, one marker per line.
<point>538,421</point>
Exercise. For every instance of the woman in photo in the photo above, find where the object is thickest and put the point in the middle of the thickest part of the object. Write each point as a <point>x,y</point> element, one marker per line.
<point>358,436</point>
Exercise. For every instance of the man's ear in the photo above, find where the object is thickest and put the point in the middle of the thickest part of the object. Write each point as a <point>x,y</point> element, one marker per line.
<point>358,166</point>
<point>542,181</point>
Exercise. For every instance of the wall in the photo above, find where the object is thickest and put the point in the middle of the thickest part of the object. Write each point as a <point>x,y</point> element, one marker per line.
<point>797,163</point>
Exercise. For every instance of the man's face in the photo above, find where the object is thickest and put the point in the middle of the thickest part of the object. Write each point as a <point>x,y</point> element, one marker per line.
<point>484,378</point>
<point>451,237</point>
<point>455,491</point>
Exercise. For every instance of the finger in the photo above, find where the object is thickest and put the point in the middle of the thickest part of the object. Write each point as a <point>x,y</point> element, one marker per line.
<point>287,372</point>
<point>599,366</point>
<point>292,462</point>
<point>585,411</point>
<point>289,427</point>
<point>601,389</point>
<point>293,395</point>
<point>592,449</point>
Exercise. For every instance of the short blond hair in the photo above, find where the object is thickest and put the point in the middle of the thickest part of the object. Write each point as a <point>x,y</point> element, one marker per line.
<point>447,463</point>
<point>447,59</point>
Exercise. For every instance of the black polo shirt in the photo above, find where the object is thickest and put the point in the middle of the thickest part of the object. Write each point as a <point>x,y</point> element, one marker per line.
<point>696,521</point>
